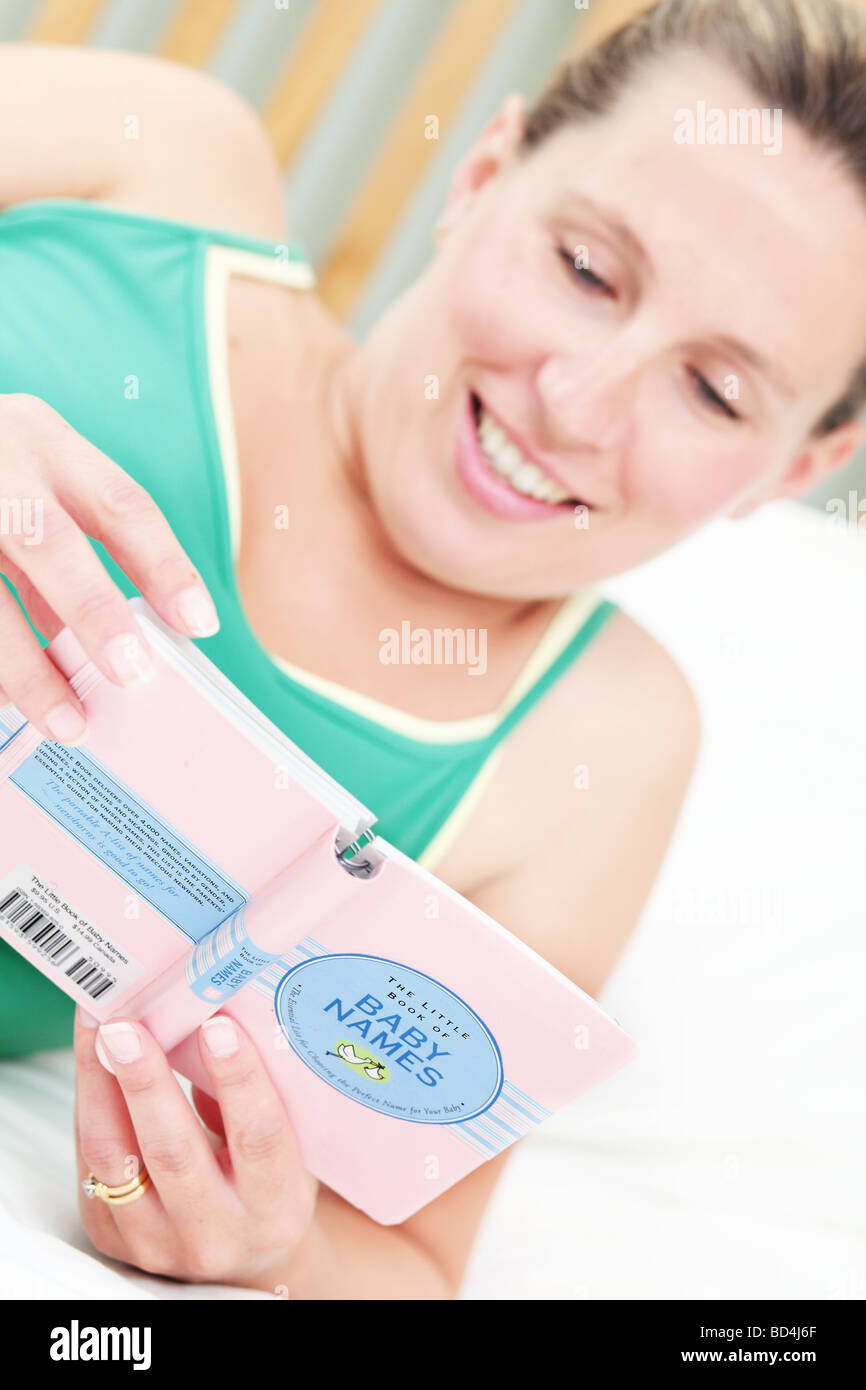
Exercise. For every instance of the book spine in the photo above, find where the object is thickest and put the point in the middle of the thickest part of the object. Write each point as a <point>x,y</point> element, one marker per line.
<point>228,958</point>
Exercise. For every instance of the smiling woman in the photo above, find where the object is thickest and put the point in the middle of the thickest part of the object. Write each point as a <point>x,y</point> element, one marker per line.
<point>633,311</point>
<point>622,334</point>
<point>802,60</point>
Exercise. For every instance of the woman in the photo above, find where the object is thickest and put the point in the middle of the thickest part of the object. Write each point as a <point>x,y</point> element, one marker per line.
<point>622,334</point>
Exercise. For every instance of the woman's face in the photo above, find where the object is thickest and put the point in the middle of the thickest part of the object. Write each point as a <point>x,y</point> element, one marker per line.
<point>653,326</point>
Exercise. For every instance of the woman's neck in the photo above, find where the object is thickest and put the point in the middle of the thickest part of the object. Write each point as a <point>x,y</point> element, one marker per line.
<point>318,576</point>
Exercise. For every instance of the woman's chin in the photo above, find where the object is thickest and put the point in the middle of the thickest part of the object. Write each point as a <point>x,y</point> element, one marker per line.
<point>476,570</point>
<point>441,539</point>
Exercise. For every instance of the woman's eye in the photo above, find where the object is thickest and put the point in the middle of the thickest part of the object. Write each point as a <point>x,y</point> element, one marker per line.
<point>587,277</point>
<point>712,397</point>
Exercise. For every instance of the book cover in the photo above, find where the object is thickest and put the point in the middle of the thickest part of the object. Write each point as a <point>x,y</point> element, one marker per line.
<point>189,858</point>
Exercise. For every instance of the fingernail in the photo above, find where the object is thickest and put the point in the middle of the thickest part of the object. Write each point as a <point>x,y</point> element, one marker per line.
<point>65,724</point>
<point>87,1020</point>
<point>197,613</point>
<point>128,659</point>
<point>221,1036</point>
<point>121,1041</point>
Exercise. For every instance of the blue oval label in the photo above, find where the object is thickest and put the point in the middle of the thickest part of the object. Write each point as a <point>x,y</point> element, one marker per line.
<point>390,1038</point>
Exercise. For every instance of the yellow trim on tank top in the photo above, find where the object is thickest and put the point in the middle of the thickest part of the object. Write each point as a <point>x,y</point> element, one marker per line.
<point>450,829</point>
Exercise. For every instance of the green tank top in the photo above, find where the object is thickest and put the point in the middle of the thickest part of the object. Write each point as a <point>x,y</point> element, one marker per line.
<point>118,321</point>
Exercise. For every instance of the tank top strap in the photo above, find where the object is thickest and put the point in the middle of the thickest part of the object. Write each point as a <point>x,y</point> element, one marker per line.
<point>579,619</point>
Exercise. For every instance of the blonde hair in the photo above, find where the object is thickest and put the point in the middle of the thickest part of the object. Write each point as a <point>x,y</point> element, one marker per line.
<point>807,57</point>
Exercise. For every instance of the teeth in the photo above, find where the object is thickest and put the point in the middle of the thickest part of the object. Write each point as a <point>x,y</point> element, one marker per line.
<point>507,460</point>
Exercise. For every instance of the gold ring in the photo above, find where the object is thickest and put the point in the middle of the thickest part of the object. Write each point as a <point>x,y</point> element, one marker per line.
<point>117,1196</point>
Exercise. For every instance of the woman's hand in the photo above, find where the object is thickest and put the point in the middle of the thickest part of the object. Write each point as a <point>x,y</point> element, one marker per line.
<point>56,489</point>
<point>232,1214</point>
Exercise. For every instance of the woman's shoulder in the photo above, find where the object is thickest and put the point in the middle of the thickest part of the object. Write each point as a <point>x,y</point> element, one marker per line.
<point>196,152</point>
<point>628,705</point>
<point>567,840</point>
<point>626,694</point>
<point>646,673</point>
<point>602,762</point>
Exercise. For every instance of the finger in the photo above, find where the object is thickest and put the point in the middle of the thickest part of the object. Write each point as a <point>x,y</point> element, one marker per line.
<point>266,1163</point>
<point>171,1141</point>
<point>43,617</point>
<point>115,510</point>
<point>107,1148</point>
<point>67,572</point>
<point>107,504</point>
<point>31,680</point>
<point>104,1129</point>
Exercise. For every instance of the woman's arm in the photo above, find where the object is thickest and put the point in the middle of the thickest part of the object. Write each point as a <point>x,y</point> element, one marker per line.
<point>135,131</point>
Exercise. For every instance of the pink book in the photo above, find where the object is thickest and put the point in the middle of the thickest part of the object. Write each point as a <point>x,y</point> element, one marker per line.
<point>189,858</point>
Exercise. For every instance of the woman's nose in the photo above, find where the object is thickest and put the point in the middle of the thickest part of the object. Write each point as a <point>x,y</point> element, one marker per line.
<point>588,399</point>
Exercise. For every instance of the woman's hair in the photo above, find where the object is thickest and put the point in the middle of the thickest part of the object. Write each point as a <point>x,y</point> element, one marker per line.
<point>805,57</point>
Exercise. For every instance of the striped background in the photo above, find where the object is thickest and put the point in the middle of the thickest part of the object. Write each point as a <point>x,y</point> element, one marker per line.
<point>344,87</point>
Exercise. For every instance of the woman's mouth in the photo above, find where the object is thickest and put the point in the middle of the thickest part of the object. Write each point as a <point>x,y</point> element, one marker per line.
<point>498,475</point>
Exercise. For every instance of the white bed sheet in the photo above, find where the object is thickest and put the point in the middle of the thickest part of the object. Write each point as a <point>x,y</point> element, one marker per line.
<point>728,1159</point>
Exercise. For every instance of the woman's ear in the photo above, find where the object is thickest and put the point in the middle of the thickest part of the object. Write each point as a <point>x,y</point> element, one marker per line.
<point>820,457</point>
<point>488,154</point>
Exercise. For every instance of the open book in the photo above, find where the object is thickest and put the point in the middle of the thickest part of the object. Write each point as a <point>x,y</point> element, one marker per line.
<point>189,858</point>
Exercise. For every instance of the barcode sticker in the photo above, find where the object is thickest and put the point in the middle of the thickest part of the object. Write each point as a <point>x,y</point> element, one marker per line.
<point>33,912</point>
